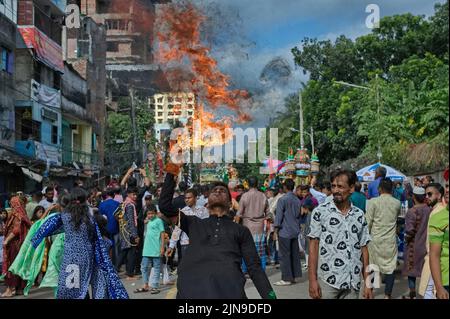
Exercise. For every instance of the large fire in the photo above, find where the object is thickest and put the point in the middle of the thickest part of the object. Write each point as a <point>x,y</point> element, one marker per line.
<point>180,44</point>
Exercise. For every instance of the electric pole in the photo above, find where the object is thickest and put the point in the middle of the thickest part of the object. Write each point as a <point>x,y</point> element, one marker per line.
<point>302,142</point>
<point>133,120</point>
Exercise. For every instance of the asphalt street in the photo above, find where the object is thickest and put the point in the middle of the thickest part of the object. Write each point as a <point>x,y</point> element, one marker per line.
<point>299,290</point>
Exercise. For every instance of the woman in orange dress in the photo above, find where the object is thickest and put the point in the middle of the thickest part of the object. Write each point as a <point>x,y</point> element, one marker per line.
<point>16,229</point>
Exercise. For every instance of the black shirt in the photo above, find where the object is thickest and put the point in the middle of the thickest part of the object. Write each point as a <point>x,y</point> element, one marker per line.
<point>211,267</point>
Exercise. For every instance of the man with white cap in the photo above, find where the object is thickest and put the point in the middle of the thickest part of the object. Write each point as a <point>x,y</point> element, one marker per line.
<point>416,221</point>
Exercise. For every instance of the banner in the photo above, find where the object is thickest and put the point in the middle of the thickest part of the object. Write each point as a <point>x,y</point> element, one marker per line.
<point>48,152</point>
<point>47,51</point>
<point>45,95</point>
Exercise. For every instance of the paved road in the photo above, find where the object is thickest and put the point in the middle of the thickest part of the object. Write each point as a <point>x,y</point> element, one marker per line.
<point>296,291</point>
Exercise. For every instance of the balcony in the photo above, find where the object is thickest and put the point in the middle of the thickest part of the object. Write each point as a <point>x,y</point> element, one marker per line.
<point>87,160</point>
<point>36,150</point>
<point>47,25</point>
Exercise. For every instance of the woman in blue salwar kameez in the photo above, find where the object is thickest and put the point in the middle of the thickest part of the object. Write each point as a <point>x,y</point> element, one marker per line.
<point>86,260</point>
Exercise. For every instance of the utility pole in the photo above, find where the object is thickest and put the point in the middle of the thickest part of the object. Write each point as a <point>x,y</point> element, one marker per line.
<point>302,142</point>
<point>312,139</point>
<point>377,93</point>
<point>133,119</point>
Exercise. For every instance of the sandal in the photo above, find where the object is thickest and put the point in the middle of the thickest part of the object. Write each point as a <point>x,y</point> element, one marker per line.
<point>13,294</point>
<point>412,295</point>
<point>154,291</point>
<point>283,283</point>
<point>139,290</point>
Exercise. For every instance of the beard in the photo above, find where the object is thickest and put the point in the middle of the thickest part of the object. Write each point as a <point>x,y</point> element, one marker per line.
<point>221,205</point>
<point>433,203</point>
<point>338,198</point>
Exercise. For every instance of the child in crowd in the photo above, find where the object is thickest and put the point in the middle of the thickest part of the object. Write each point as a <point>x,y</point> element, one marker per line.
<point>152,251</point>
<point>307,208</point>
<point>37,214</point>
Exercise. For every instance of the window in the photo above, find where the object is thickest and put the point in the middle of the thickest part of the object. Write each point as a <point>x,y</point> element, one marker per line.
<point>57,80</point>
<point>6,62</point>
<point>112,47</point>
<point>36,130</point>
<point>160,113</point>
<point>160,100</point>
<point>54,134</point>
<point>37,71</point>
<point>26,128</point>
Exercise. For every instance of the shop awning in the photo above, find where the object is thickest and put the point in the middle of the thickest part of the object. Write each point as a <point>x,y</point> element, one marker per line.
<point>32,175</point>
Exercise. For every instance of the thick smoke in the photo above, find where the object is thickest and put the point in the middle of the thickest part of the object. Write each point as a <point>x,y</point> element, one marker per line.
<point>268,77</point>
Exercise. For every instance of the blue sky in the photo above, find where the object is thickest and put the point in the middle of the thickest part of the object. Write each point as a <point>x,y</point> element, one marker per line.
<point>247,34</point>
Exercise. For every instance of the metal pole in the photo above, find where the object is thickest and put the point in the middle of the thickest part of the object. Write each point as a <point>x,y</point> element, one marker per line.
<point>302,142</point>
<point>377,92</point>
<point>133,119</point>
<point>312,139</point>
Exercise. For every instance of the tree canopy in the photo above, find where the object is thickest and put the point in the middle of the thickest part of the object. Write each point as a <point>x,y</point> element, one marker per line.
<point>404,109</point>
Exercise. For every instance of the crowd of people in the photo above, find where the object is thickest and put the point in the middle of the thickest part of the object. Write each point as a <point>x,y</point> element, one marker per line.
<point>343,233</point>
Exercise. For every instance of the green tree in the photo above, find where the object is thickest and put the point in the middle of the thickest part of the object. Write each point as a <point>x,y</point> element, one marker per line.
<point>119,127</point>
<point>410,55</point>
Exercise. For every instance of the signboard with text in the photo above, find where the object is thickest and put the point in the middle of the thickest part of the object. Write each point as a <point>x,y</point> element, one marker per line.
<point>48,152</point>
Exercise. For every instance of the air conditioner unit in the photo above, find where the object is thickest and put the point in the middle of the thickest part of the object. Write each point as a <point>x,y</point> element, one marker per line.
<point>49,115</point>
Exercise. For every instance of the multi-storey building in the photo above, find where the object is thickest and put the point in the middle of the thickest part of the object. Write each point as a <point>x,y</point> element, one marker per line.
<point>130,66</point>
<point>57,91</point>
<point>8,29</point>
<point>38,70</point>
<point>129,36</point>
<point>168,108</point>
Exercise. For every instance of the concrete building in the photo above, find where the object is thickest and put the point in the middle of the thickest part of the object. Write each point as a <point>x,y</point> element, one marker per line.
<point>129,37</point>
<point>39,66</point>
<point>58,98</point>
<point>8,29</point>
<point>169,107</point>
<point>130,68</point>
<point>85,50</point>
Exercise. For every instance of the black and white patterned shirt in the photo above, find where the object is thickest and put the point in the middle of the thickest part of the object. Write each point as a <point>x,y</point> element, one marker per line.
<point>340,241</point>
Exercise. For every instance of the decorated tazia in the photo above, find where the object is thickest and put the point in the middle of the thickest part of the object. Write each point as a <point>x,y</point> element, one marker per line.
<point>315,165</point>
<point>289,168</point>
<point>302,164</point>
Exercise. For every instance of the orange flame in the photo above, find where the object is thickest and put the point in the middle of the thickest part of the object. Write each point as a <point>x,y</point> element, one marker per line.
<point>179,40</point>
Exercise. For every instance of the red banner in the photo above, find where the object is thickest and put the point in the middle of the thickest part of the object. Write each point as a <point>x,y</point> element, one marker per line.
<point>47,50</point>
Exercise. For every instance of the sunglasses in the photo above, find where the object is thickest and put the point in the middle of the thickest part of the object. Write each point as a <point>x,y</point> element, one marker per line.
<point>429,194</point>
